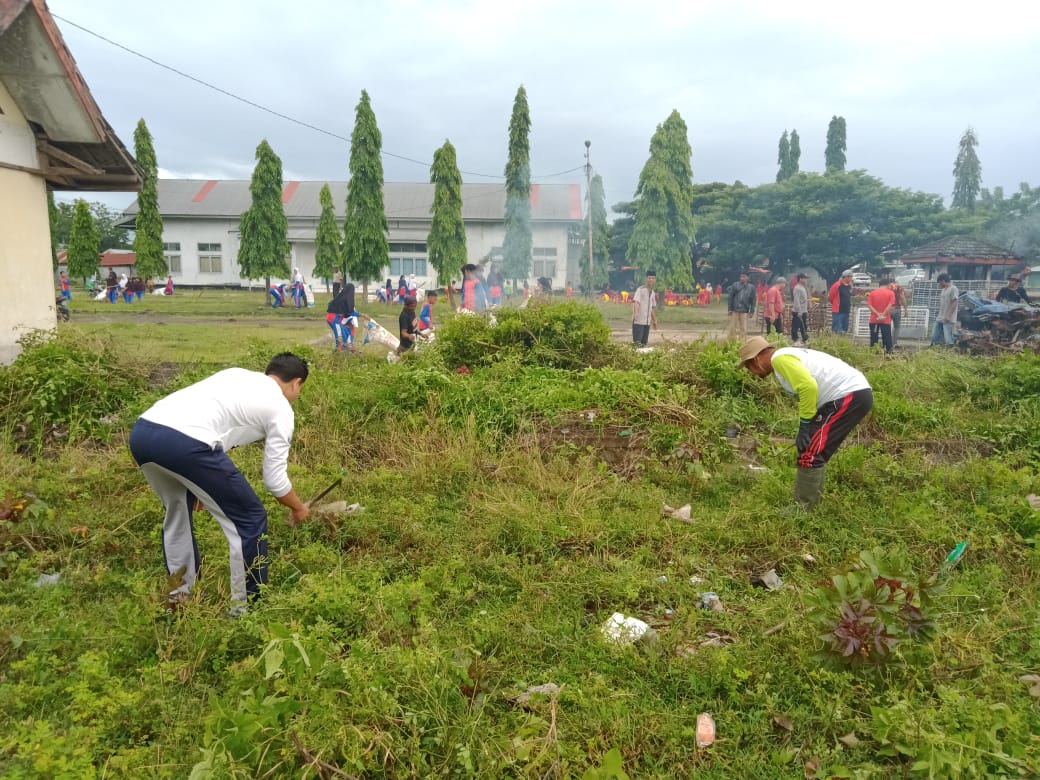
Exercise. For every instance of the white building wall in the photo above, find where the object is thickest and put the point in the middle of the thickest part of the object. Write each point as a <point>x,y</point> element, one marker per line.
<point>481,239</point>
<point>25,235</point>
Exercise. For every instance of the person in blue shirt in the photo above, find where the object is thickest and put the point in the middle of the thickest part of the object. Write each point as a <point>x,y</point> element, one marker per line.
<point>426,312</point>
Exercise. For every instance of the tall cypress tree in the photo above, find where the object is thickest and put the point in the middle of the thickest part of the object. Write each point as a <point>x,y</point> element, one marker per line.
<point>516,248</point>
<point>327,238</point>
<point>664,229</point>
<point>783,157</point>
<point>263,248</point>
<point>365,249</point>
<point>967,173</point>
<point>148,225</point>
<point>796,152</point>
<point>446,243</point>
<point>600,238</point>
<point>84,243</point>
<point>834,156</point>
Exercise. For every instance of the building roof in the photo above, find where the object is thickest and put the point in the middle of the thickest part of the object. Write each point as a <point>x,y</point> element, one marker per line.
<point>960,250</point>
<point>77,148</point>
<point>403,201</point>
<point>110,258</point>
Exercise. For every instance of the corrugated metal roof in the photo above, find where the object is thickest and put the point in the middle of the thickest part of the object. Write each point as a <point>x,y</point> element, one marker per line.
<point>959,249</point>
<point>402,200</point>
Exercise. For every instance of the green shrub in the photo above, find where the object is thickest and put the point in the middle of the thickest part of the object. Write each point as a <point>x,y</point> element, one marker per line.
<point>65,389</point>
<point>557,335</point>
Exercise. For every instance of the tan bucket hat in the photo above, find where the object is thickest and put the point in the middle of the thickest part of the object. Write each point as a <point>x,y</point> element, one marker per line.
<point>751,348</point>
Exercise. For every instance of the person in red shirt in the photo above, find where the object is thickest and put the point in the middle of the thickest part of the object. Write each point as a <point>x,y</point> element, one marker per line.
<point>774,306</point>
<point>840,296</point>
<point>881,302</point>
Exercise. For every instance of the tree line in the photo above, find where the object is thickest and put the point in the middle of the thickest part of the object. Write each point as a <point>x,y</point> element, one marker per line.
<point>830,221</point>
<point>687,232</point>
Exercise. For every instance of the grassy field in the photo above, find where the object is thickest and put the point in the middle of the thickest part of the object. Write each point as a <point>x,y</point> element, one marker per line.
<point>510,509</point>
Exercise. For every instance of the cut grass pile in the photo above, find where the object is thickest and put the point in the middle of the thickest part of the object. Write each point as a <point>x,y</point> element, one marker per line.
<point>509,512</point>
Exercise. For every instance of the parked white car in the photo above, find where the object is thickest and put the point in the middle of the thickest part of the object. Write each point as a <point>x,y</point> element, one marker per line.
<point>907,278</point>
<point>862,280</point>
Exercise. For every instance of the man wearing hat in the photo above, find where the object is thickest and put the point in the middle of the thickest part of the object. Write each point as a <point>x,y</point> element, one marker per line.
<point>832,398</point>
<point>1013,292</point>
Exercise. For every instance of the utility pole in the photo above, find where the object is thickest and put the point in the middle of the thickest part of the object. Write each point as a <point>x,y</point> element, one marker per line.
<point>588,191</point>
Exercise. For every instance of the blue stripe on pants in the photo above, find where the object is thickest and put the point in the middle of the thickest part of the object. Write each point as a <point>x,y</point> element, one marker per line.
<point>178,468</point>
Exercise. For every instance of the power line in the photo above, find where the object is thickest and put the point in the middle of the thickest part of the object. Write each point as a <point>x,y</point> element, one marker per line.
<point>272,111</point>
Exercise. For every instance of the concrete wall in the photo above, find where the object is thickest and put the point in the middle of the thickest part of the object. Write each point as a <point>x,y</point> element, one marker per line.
<point>25,237</point>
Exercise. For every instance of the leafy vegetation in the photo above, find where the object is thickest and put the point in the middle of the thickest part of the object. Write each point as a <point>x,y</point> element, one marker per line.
<point>509,512</point>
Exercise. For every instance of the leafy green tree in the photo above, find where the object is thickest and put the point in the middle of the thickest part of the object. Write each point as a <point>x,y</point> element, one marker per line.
<point>796,152</point>
<point>600,238</point>
<point>84,245</point>
<point>834,155</point>
<point>967,173</point>
<point>446,243</point>
<point>263,248</point>
<point>365,249</point>
<point>828,222</point>
<point>326,238</point>
<point>783,157</point>
<point>663,234</point>
<point>105,220</point>
<point>148,224</point>
<point>516,248</point>
<point>1014,222</point>
<point>621,232</point>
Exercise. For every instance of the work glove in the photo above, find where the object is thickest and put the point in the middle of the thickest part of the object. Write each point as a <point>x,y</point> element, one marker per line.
<point>804,436</point>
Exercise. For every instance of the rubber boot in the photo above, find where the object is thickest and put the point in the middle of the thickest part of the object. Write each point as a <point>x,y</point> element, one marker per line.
<point>808,486</point>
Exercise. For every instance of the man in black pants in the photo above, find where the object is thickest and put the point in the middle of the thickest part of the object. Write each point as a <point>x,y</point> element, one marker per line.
<point>644,310</point>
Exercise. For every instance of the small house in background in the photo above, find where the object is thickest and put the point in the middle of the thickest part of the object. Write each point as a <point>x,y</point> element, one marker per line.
<point>122,261</point>
<point>966,259</point>
<point>52,137</point>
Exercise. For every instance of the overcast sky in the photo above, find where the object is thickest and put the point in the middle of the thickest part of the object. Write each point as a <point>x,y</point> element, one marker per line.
<point>909,77</point>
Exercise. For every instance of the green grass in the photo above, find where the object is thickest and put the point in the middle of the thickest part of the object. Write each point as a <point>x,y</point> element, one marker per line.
<point>495,542</point>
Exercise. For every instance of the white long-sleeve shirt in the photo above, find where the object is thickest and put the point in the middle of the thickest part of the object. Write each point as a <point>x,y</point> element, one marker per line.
<point>234,407</point>
<point>815,377</point>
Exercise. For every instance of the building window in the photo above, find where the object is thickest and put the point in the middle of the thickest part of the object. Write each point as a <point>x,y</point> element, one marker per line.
<point>419,249</point>
<point>172,253</point>
<point>544,268</point>
<point>210,261</point>
<point>408,266</point>
<point>544,251</point>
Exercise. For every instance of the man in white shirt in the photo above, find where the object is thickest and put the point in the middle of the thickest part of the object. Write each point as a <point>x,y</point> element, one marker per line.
<point>644,310</point>
<point>181,445</point>
<point>947,316</point>
<point>832,399</point>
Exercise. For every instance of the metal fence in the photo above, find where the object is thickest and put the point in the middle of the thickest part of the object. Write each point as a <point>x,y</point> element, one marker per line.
<point>914,324</point>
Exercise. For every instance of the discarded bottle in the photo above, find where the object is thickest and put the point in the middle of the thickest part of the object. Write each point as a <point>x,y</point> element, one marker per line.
<point>711,600</point>
<point>705,730</point>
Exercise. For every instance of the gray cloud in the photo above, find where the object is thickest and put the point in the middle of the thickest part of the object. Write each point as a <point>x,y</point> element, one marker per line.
<point>907,80</point>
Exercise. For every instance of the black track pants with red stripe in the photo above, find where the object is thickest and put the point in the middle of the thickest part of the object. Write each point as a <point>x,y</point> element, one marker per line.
<point>832,423</point>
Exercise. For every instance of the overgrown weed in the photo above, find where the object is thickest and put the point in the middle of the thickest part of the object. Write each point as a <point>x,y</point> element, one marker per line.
<point>394,643</point>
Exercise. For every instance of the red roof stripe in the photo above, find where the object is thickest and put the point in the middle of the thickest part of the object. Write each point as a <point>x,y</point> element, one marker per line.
<point>207,188</point>
<point>534,195</point>
<point>575,200</point>
<point>289,191</point>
